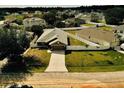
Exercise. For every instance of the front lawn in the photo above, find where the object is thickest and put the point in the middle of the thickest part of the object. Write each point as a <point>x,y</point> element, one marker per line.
<point>93,61</point>
<point>96,69</point>
<point>37,60</point>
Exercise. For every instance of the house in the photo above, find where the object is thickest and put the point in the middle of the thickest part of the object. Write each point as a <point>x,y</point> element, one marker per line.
<point>38,12</point>
<point>120,32</point>
<point>54,39</point>
<point>29,22</point>
<point>120,29</point>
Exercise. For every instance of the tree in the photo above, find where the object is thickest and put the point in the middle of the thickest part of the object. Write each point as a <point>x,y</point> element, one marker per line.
<point>60,24</point>
<point>50,18</point>
<point>12,42</point>
<point>38,30</point>
<point>114,16</point>
<point>23,40</point>
<point>94,17</point>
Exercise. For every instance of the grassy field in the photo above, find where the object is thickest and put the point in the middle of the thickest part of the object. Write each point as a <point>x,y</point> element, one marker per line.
<point>93,61</point>
<point>106,28</point>
<point>88,25</point>
<point>72,31</point>
<point>73,41</point>
<point>96,69</point>
<point>37,56</point>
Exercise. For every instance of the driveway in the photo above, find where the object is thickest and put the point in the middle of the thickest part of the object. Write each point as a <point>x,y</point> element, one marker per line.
<point>57,62</point>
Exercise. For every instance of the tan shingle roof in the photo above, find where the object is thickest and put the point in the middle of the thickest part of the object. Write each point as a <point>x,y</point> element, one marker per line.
<point>50,34</point>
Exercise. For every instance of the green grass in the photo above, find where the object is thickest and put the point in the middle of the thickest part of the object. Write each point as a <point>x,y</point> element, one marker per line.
<point>102,21</point>
<point>37,69</point>
<point>75,42</point>
<point>106,28</point>
<point>88,25</point>
<point>96,69</point>
<point>93,61</point>
<point>71,31</point>
<point>37,56</point>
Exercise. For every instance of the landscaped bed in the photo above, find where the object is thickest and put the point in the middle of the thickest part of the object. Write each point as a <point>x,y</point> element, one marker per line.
<point>37,60</point>
<point>94,61</point>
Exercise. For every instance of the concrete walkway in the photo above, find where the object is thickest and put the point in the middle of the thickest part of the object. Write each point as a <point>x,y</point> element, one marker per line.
<point>57,62</point>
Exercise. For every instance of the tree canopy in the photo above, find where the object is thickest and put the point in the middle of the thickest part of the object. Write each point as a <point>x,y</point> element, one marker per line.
<point>13,42</point>
<point>114,16</point>
<point>38,30</point>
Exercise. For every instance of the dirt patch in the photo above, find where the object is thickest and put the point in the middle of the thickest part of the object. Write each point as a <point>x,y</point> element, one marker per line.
<point>90,33</point>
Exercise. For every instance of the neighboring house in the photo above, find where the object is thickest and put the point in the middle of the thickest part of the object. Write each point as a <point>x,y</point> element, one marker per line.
<point>29,22</point>
<point>1,24</point>
<point>120,32</point>
<point>14,25</point>
<point>86,17</point>
<point>120,28</point>
<point>25,13</point>
<point>55,39</point>
<point>37,12</point>
<point>74,22</point>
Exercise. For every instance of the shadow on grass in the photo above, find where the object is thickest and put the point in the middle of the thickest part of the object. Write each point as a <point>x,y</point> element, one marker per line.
<point>18,71</point>
<point>70,51</point>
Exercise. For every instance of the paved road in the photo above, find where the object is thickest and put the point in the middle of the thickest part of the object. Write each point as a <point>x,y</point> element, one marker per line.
<point>101,24</point>
<point>57,62</point>
<point>99,79</point>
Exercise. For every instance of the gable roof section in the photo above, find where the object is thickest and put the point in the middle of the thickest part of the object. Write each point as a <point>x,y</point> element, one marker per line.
<point>50,34</point>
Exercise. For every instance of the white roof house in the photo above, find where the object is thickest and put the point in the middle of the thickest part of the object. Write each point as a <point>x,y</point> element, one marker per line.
<point>29,22</point>
<point>55,39</point>
<point>56,34</point>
